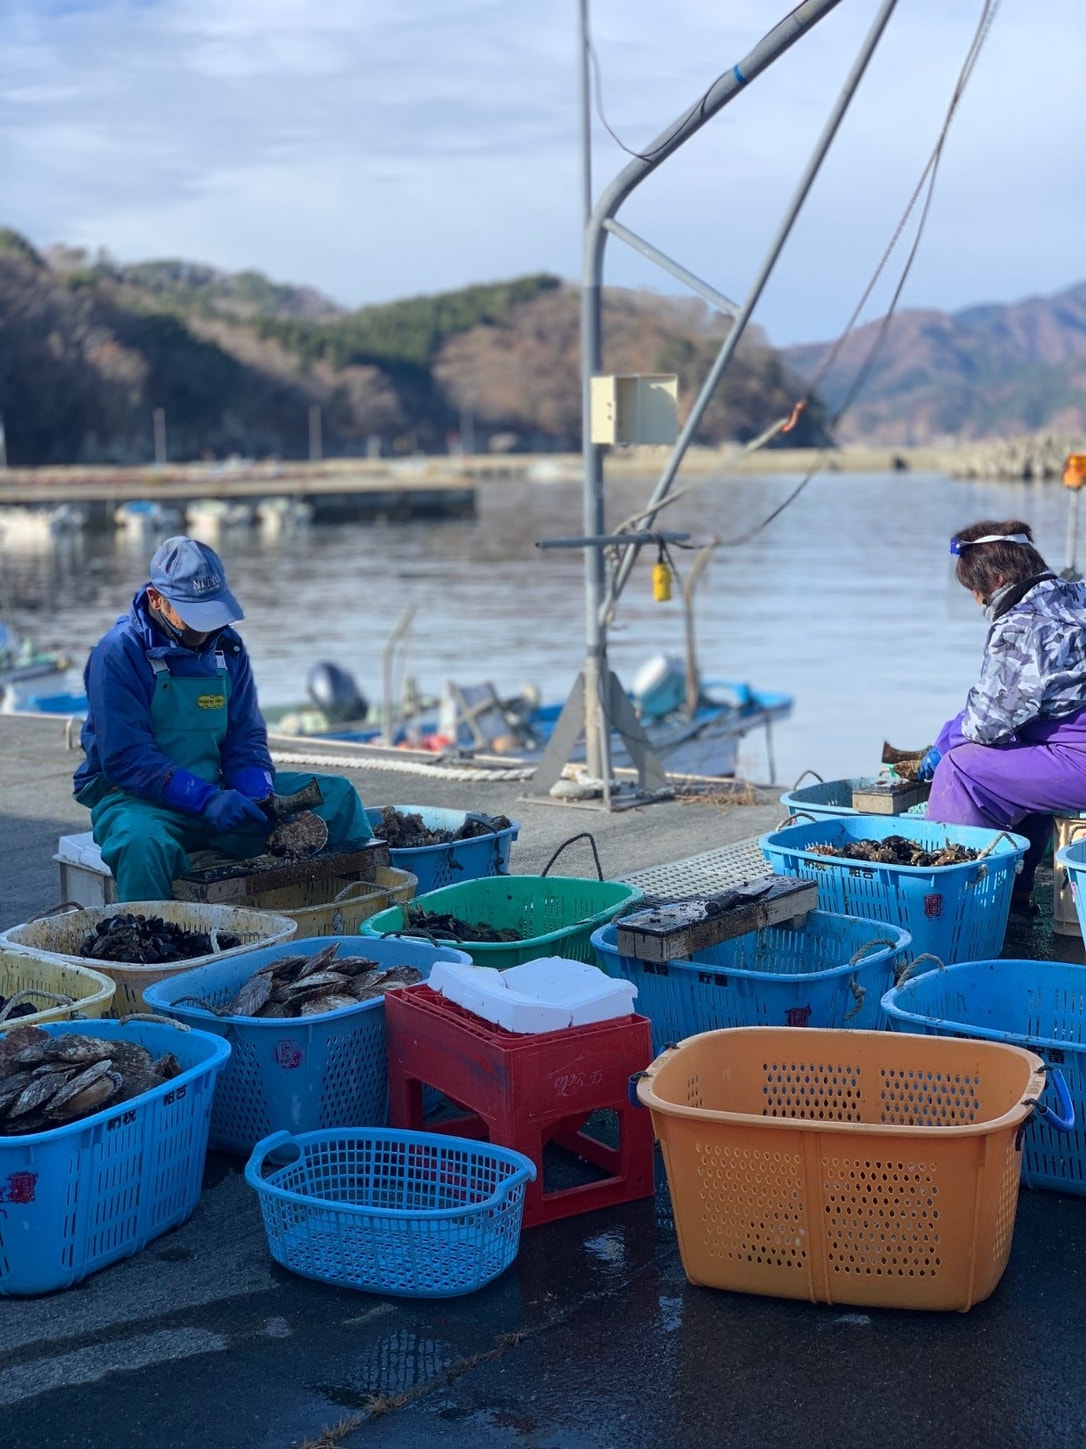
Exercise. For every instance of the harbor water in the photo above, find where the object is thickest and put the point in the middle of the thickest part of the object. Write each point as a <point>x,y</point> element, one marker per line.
<point>846,600</point>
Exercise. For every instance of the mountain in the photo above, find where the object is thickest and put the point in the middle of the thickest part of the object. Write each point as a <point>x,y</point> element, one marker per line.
<point>985,372</point>
<point>89,349</point>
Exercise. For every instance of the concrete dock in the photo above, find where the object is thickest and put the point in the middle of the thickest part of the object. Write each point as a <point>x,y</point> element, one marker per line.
<point>593,1339</point>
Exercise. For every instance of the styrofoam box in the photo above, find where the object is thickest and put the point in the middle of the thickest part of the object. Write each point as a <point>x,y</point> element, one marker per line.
<point>543,995</point>
<point>84,876</point>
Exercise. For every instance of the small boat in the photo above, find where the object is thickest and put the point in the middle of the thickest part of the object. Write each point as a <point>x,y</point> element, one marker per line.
<point>210,515</point>
<point>147,516</point>
<point>475,719</point>
<point>29,678</point>
<point>24,524</point>
<point>278,515</point>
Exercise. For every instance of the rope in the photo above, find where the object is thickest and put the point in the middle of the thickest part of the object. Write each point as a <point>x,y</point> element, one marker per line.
<point>402,767</point>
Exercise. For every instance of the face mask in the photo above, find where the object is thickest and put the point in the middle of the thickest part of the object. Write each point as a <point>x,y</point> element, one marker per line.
<point>186,637</point>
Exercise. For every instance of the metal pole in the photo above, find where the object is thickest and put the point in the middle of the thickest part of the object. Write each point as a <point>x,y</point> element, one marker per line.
<point>315,441</point>
<point>3,444</point>
<point>586,102</point>
<point>596,671</point>
<point>158,418</point>
<point>704,397</point>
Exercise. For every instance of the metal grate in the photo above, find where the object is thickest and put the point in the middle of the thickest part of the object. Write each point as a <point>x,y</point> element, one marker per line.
<point>704,874</point>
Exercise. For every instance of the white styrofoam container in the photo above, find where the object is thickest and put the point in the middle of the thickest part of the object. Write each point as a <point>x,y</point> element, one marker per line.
<point>547,994</point>
<point>84,876</point>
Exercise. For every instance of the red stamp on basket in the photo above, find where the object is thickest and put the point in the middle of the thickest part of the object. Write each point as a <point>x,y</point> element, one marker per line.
<point>19,1187</point>
<point>288,1055</point>
<point>797,1016</point>
<point>933,905</point>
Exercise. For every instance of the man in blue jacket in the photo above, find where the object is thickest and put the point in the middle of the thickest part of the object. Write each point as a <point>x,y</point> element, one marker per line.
<point>176,748</point>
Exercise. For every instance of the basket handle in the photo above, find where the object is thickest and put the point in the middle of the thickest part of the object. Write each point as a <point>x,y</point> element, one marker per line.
<point>584,835</point>
<point>862,952</point>
<point>254,1168</point>
<point>65,908</point>
<point>349,889</point>
<point>58,998</point>
<point>794,819</point>
<point>910,966</point>
<point>858,995</point>
<point>154,1016</point>
<point>1003,835</point>
<point>1064,1119</point>
<point>803,777</point>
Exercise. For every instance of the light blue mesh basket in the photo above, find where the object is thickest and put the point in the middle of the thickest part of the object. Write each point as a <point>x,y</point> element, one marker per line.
<point>957,912</point>
<point>414,1214</point>
<point>828,798</point>
<point>832,971</point>
<point>1039,1005</point>
<point>460,860</point>
<point>298,1074</point>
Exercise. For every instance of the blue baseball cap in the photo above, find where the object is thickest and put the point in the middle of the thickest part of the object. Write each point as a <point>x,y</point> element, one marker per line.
<point>191,576</point>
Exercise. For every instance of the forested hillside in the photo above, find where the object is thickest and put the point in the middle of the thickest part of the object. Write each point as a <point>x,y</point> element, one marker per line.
<point>89,349</point>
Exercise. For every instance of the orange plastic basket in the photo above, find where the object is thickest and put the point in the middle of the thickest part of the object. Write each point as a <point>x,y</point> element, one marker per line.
<point>856,1167</point>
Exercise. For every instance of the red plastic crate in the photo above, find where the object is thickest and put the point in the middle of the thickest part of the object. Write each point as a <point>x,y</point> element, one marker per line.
<point>526,1092</point>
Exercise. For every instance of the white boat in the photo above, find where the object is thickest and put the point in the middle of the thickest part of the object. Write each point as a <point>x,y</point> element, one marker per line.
<point>26,524</point>
<point>211,515</point>
<point>147,516</point>
<point>278,515</point>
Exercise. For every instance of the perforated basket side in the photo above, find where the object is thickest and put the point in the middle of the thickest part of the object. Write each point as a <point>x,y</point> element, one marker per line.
<point>82,1196</point>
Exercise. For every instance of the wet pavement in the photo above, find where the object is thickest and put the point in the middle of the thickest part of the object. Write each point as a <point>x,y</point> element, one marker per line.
<point>593,1339</point>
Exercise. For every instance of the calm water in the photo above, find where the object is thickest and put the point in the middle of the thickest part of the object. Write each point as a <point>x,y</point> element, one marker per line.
<point>847,600</point>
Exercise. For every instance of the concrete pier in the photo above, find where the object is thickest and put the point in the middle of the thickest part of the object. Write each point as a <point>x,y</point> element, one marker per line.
<point>593,1339</point>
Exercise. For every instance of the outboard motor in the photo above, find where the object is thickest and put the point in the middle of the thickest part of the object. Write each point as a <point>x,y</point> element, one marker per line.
<point>335,692</point>
<point>659,687</point>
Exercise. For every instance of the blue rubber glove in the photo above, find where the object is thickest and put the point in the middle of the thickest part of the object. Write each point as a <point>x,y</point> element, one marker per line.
<point>926,768</point>
<point>229,809</point>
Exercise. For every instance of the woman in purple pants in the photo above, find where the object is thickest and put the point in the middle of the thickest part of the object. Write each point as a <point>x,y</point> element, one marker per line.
<point>1016,754</point>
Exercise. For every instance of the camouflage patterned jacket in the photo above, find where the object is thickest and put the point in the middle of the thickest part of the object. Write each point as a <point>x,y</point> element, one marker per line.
<point>1034,659</point>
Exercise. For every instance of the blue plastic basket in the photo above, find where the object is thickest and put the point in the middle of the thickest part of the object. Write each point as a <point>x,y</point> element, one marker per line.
<point>830,972</point>
<point>413,1214</point>
<point>79,1197</point>
<point>1039,1005</point>
<point>442,865</point>
<point>299,1074</point>
<point>830,798</point>
<point>1072,858</point>
<point>957,912</point>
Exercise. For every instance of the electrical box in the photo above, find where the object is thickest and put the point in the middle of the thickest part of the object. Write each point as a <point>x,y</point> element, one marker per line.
<point>642,409</point>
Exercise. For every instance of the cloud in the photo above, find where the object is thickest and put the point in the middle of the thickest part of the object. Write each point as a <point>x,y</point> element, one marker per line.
<point>384,150</point>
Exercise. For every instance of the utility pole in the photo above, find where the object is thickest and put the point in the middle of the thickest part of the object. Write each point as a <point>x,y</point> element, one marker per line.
<point>315,453</point>
<point>159,420</point>
<point>467,432</point>
<point>3,444</point>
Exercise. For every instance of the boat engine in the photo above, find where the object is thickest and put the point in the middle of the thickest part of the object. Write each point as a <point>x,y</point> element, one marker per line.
<point>334,691</point>
<point>659,687</point>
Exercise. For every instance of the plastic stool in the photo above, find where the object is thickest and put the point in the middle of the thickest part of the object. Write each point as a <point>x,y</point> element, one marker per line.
<point>526,1092</point>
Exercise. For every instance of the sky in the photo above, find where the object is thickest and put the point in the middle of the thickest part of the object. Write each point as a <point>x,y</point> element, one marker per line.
<point>381,149</point>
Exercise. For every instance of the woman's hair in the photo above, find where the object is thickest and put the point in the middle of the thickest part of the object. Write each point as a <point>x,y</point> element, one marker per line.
<point>982,566</point>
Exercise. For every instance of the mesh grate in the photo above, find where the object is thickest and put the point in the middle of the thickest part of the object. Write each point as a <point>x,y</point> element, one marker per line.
<point>704,874</point>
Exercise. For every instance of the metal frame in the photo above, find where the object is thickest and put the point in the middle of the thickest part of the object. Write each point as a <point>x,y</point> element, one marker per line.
<point>597,690</point>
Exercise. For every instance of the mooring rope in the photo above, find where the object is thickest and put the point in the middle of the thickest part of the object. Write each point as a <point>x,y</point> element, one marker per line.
<point>402,767</point>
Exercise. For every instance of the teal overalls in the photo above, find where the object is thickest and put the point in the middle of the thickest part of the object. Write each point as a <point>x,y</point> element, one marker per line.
<point>147,845</point>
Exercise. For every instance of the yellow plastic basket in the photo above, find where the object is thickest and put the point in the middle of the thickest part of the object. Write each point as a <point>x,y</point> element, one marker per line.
<point>355,903</point>
<point>858,1167</point>
<point>91,993</point>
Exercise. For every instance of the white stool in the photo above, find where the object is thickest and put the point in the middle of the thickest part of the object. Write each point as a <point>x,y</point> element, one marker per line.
<point>84,876</point>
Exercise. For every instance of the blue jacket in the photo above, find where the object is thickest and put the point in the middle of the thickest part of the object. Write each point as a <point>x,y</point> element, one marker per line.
<point>118,736</point>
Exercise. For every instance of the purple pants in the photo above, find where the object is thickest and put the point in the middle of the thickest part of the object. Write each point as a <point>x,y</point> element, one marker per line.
<point>1016,786</point>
